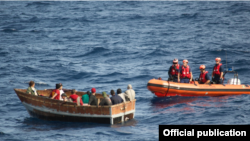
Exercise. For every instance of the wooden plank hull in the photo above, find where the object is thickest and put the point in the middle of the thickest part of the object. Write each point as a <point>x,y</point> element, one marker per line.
<point>163,88</point>
<point>50,109</point>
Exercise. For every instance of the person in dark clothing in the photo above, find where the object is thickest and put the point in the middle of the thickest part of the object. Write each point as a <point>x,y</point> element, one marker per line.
<point>92,98</point>
<point>115,99</point>
<point>204,78</point>
<point>174,70</point>
<point>106,100</point>
<point>218,71</point>
<point>122,95</point>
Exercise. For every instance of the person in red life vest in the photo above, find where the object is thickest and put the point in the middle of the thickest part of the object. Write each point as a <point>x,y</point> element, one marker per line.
<point>75,98</point>
<point>204,78</point>
<point>55,94</point>
<point>185,73</point>
<point>173,71</point>
<point>217,75</point>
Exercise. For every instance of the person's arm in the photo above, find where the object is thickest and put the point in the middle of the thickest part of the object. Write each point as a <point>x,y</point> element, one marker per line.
<point>221,75</point>
<point>221,71</point>
<point>81,101</point>
<point>208,81</point>
<point>207,78</point>
<point>109,101</point>
<point>112,101</point>
<point>96,101</point>
<point>102,102</point>
<point>191,76</point>
<point>169,72</point>
<point>179,73</point>
<point>212,73</point>
<point>90,99</point>
<point>54,96</point>
<point>126,96</point>
<point>178,76</point>
<point>28,90</point>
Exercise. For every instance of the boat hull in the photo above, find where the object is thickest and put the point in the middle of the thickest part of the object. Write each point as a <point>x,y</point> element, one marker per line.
<point>162,88</point>
<point>49,109</point>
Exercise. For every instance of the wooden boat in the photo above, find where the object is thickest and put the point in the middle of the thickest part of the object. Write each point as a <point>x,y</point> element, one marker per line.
<point>46,108</point>
<point>163,88</point>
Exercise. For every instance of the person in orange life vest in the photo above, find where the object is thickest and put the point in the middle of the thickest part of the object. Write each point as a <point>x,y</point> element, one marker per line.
<point>217,75</point>
<point>74,97</point>
<point>55,94</point>
<point>173,71</point>
<point>185,73</point>
<point>204,78</point>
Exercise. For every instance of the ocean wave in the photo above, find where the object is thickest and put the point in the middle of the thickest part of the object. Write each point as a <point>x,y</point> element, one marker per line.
<point>9,30</point>
<point>239,7</point>
<point>4,53</point>
<point>94,51</point>
<point>37,4</point>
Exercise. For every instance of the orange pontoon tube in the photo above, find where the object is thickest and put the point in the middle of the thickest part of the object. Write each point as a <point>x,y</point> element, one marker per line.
<point>162,88</point>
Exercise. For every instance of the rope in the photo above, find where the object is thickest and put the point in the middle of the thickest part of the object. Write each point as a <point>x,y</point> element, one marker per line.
<point>168,88</point>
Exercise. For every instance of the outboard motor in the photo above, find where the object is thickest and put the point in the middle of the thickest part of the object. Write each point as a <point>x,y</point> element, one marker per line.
<point>234,81</point>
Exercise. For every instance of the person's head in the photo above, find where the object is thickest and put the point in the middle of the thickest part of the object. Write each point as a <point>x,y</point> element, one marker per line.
<point>88,93</point>
<point>175,61</point>
<point>119,91</point>
<point>112,92</point>
<point>185,62</point>
<point>73,91</point>
<point>32,84</point>
<point>217,60</point>
<point>202,68</point>
<point>104,94</point>
<point>64,96</point>
<point>58,86</point>
<point>61,86</point>
<point>93,90</point>
<point>129,86</point>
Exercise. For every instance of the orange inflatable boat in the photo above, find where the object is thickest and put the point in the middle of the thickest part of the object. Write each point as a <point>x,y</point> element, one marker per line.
<point>162,88</point>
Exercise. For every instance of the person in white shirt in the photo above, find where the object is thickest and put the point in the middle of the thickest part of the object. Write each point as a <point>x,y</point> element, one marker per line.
<point>130,93</point>
<point>61,91</point>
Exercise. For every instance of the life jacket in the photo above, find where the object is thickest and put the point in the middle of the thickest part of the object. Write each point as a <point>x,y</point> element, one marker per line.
<point>54,92</point>
<point>203,78</point>
<point>185,72</point>
<point>217,69</point>
<point>174,71</point>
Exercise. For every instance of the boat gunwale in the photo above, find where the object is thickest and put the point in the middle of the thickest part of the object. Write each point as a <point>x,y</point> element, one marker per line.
<point>197,89</point>
<point>67,102</point>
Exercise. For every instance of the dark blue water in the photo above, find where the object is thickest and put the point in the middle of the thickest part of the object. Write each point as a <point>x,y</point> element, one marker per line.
<point>108,45</point>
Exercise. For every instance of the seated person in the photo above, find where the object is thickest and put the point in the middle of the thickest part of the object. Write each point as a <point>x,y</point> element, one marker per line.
<point>130,93</point>
<point>85,98</point>
<point>61,91</point>
<point>204,78</point>
<point>65,98</point>
<point>55,94</point>
<point>92,98</point>
<point>75,98</point>
<point>122,95</point>
<point>115,99</point>
<point>31,89</point>
<point>106,100</point>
